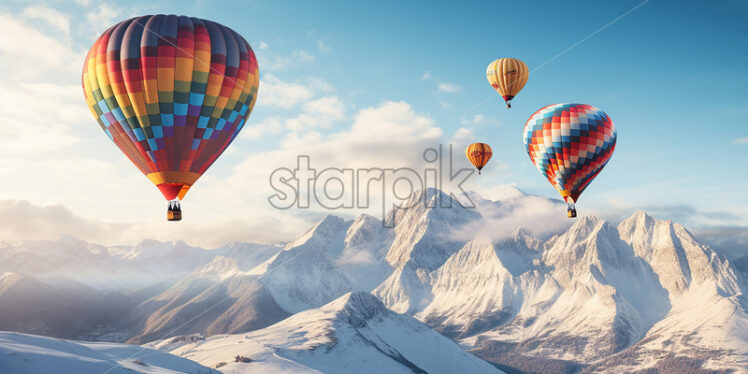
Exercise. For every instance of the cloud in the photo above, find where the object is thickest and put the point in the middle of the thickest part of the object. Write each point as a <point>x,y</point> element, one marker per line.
<point>29,128</point>
<point>426,75</point>
<point>104,16</point>
<point>35,54</point>
<point>321,112</point>
<point>475,120</point>
<point>463,136</point>
<point>449,87</point>
<point>741,141</point>
<point>270,61</point>
<point>323,47</point>
<point>262,45</point>
<point>280,94</point>
<point>270,126</point>
<point>21,220</point>
<point>58,21</point>
<point>303,56</point>
<point>390,135</point>
<point>728,240</point>
<point>511,209</point>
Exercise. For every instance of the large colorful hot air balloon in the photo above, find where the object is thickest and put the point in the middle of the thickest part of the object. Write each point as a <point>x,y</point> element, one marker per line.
<point>172,92</point>
<point>507,76</point>
<point>570,144</point>
<point>479,154</point>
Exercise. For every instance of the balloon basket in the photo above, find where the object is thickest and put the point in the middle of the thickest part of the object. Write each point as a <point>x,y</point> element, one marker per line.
<point>174,211</point>
<point>571,212</point>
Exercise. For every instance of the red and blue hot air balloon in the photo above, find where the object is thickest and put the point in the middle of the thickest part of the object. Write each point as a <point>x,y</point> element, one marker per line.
<point>570,144</point>
<point>172,92</point>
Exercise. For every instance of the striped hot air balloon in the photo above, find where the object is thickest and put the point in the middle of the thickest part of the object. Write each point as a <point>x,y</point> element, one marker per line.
<point>479,154</point>
<point>570,144</point>
<point>172,92</point>
<point>507,76</point>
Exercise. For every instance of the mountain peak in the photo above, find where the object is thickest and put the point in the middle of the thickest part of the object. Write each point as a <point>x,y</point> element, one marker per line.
<point>585,226</point>
<point>323,231</point>
<point>71,240</point>
<point>357,308</point>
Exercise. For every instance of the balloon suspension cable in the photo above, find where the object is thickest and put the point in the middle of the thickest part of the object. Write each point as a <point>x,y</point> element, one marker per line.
<point>174,211</point>
<point>571,211</point>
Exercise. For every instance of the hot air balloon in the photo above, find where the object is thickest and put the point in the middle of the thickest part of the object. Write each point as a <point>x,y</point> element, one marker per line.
<point>479,154</point>
<point>172,92</point>
<point>570,144</point>
<point>507,76</point>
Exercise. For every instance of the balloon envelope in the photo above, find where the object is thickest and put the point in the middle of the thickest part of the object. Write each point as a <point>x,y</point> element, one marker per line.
<point>507,76</point>
<point>570,144</point>
<point>172,92</point>
<point>479,154</point>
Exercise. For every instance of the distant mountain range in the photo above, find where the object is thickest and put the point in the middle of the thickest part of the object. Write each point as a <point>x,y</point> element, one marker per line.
<point>644,295</point>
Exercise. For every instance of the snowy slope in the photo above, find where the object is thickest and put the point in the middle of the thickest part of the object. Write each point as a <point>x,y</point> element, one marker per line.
<point>118,268</point>
<point>424,226</point>
<point>593,297</point>
<point>593,292</point>
<point>31,354</point>
<point>355,333</point>
<point>363,256</point>
<point>219,297</point>
<point>65,309</point>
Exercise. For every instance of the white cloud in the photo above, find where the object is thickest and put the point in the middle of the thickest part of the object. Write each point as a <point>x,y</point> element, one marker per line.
<point>103,16</point>
<point>475,120</point>
<point>329,107</point>
<point>270,126</point>
<point>449,87</point>
<point>426,75</point>
<point>262,45</point>
<point>323,47</point>
<point>21,220</point>
<point>390,135</point>
<point>741,141</point>
<point>538,215</point>
<point>303,56</point>
<point>280,94</point>
<point>322,112</point>
<point>31,128</point>
<point>501,192</point>
<point>49,56</point>
<point>57,20</point>
<point>463,136</point>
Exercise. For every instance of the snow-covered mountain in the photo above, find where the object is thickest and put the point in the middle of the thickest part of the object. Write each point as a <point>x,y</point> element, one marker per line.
<point>550,297</point>
<point>355,333</point>
<point>67,309</point>
<point>31,354</point>
<point>424,228</point>
<point>216,298</point>
<point>646,291</point>
<point>118,268</point>
<point>332,258</point>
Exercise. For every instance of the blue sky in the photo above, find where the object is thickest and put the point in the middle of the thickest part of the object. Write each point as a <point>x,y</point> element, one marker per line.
<point>671,75</point>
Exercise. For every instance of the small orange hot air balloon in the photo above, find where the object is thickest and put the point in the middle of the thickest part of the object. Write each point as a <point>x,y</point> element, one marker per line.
<point>479,154</point>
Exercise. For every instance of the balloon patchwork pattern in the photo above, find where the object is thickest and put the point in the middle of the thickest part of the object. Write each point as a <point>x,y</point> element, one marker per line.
<point>570,144</point>
<point>172,92</point>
